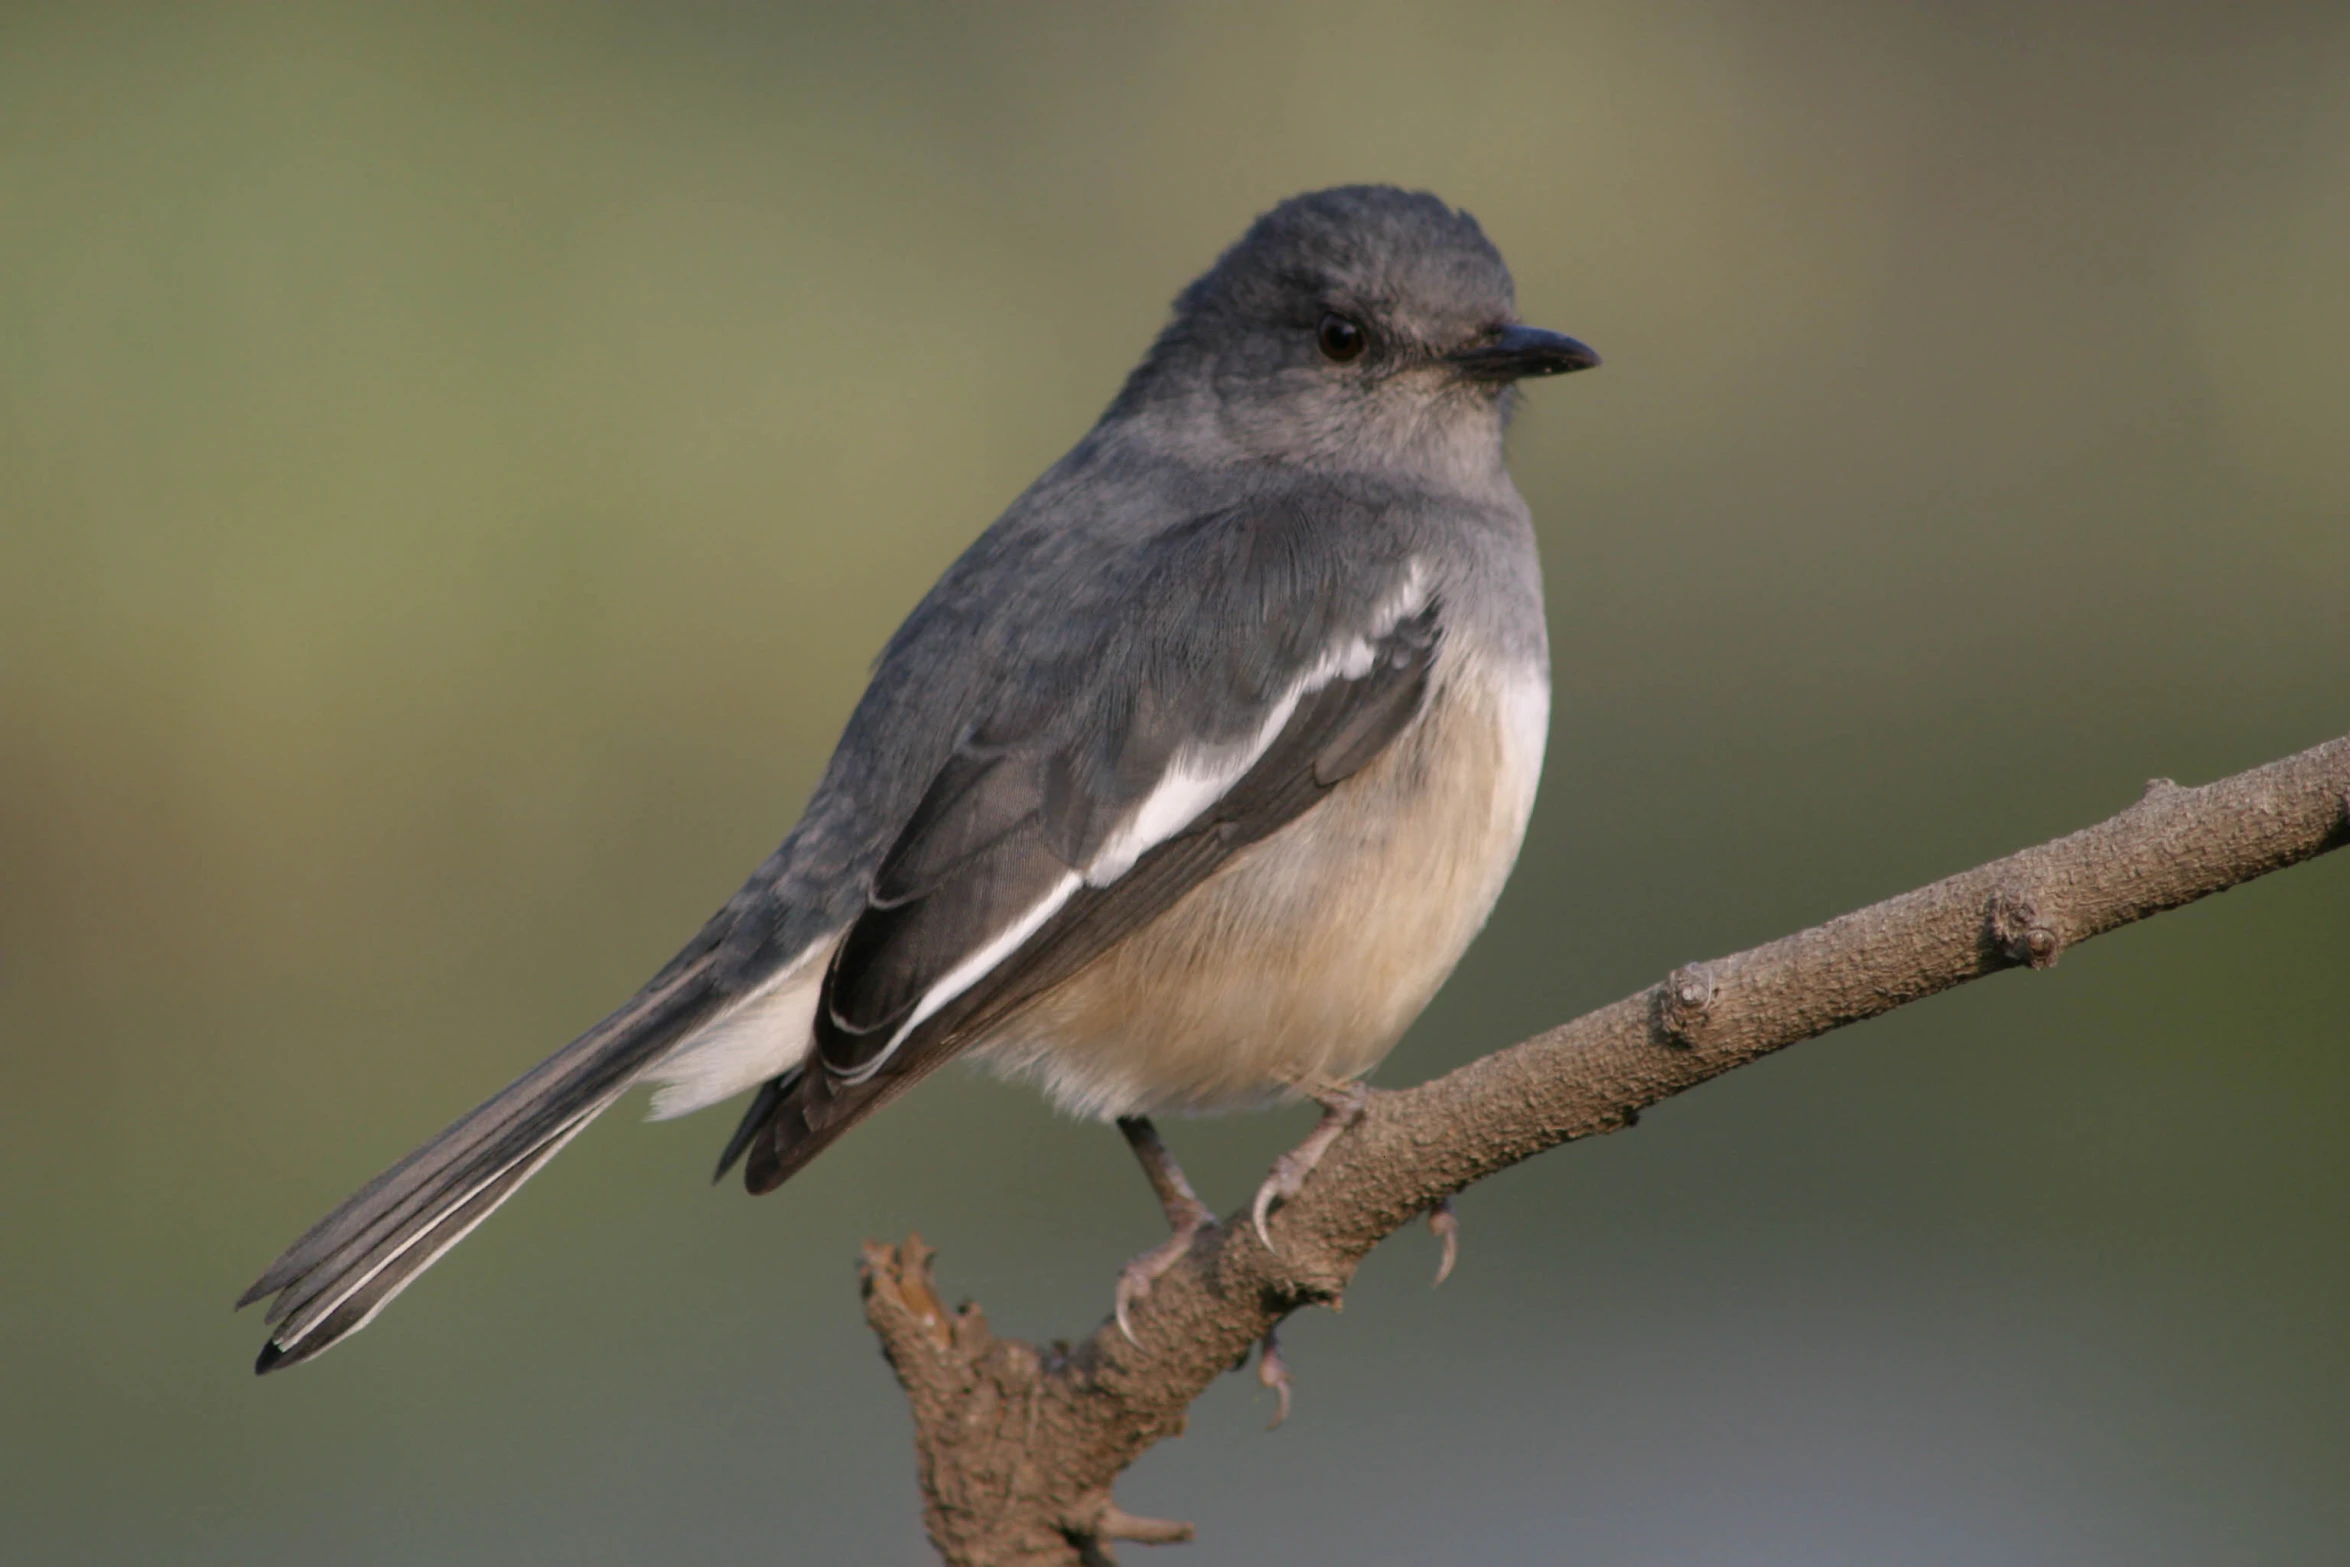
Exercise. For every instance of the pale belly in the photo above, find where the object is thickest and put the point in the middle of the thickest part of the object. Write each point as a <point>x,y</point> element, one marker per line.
<point>1301,962</point>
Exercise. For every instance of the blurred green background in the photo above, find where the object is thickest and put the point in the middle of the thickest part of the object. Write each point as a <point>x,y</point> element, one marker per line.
<point>456,464</point>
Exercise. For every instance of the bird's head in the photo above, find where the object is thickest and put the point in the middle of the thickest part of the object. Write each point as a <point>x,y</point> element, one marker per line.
<point>1363,327</point>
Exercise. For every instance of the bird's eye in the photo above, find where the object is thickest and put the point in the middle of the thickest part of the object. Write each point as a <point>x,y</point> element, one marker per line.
<point>1340,338</point>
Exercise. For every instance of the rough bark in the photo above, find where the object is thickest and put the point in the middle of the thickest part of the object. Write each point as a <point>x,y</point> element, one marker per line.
<point>1019,1447</point>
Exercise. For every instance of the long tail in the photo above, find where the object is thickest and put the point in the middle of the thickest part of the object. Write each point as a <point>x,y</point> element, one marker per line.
<point>332,1282</point>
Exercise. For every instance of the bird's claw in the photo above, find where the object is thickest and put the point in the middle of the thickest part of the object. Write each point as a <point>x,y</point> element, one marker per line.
<point>1445,1225</point>
<point>1273,1375</point>
<point>1341,1108</point>
<point>1133,1284</point>
<point>1186,1217</point>
<point>1283,1183</point>
<point>1137,1277</point>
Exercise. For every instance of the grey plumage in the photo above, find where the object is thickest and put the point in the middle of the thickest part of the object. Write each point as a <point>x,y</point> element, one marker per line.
<point>1280,550</point>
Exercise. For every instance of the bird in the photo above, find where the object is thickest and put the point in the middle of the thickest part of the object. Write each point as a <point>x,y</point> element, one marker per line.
<point>1181,792</point>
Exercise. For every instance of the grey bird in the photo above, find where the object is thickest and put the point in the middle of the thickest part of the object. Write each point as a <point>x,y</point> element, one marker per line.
<point>1181,792</point>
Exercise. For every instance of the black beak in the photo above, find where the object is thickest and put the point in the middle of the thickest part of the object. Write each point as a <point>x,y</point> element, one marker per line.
<point>1522,351</point>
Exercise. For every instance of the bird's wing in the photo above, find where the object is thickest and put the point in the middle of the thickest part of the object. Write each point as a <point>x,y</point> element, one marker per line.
<point>1253,670</point>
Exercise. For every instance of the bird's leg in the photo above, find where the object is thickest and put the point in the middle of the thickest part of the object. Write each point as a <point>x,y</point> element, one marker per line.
<point>1186,1214</point>
<point>1342,1107</point>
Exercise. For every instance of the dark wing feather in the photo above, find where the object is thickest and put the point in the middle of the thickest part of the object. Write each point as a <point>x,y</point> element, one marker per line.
<point>998,832</point>
<point>1335,733</point>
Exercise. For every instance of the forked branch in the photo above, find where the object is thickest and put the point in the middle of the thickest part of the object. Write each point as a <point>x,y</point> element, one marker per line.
<point>1019,1447</point>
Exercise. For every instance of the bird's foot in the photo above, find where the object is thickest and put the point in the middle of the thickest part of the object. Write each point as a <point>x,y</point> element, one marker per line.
<point>1342,1107</point>
<point>1273,1375</point>
<point>1445,1225</point>
<point>1186,1216</point>
<point>1137,1277</point>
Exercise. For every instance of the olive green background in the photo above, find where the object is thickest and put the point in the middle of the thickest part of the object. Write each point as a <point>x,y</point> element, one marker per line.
<point>456,464</point>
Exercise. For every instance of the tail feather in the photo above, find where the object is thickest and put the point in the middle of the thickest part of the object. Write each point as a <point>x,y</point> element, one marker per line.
<point>400,1252</point>
<point>762,1110</point>
<point>346,1267</point>
<point>370,1291</point>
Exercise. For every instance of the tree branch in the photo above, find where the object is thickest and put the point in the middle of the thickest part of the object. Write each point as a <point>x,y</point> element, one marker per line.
<point>1018,1448</point>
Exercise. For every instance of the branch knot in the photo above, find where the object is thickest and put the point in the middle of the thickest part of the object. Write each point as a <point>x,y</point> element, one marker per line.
<point>2017,932</point>
<point>1683,1004</point>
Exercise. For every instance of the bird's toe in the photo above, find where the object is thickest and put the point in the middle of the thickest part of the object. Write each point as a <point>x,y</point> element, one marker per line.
<point>1273,1375</point>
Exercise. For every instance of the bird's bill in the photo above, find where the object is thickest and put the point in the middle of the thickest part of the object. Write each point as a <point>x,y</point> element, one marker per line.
<point>1519,352</point>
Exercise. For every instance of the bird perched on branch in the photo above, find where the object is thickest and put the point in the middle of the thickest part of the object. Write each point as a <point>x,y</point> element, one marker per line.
<point>1182,791</point>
